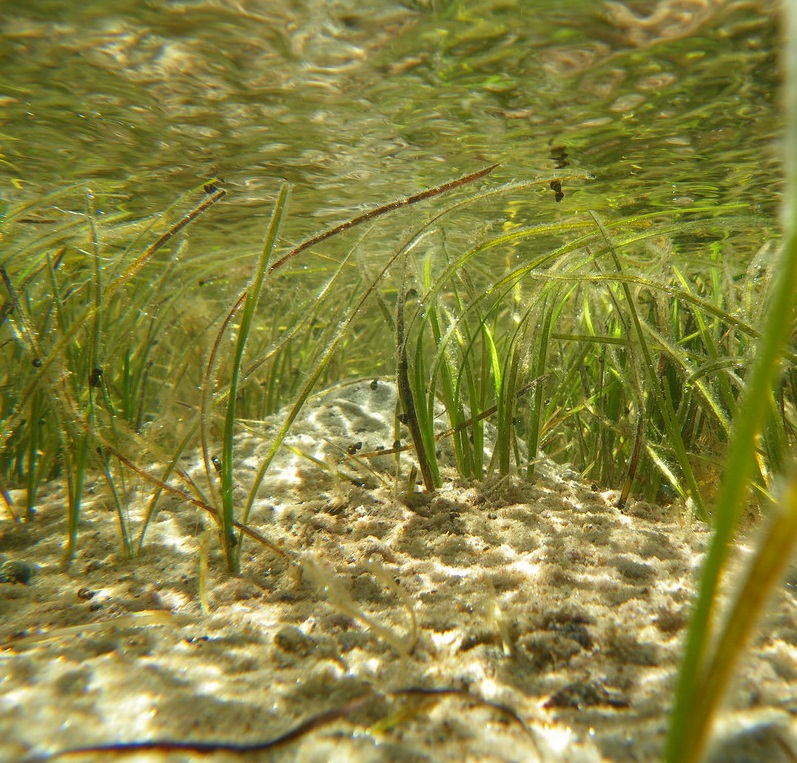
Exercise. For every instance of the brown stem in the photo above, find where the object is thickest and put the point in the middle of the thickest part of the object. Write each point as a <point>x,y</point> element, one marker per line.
<point>379,211</point>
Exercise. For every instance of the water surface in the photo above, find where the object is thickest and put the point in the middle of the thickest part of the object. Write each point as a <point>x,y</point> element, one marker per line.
<point>663,105</point>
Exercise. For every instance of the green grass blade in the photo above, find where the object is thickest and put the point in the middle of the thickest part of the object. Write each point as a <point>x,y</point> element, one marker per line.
<point>774,550</point>
<point>418,418</point>
<point>539,365</point>
<point>250,304</point>
<point>690,717</point>
<point>320,364</point>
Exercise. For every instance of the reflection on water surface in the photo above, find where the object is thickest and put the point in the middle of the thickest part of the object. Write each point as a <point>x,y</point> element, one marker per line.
<point>664,104</point>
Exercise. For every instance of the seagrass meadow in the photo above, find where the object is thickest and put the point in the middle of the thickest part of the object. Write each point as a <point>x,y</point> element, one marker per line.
<point>406,382</point>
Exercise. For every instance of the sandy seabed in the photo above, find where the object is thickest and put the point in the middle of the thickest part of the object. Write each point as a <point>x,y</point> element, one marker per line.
<point>491,621</point>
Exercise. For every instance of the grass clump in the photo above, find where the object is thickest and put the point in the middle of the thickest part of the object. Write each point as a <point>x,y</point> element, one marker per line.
<point>86,332</point>
<point>633,348</point>
<point>620,346</point>
<point>604,350</point>
<point>78,346</point>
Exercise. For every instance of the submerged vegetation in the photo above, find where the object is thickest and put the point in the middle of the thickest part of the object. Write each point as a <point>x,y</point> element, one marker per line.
<point>652,351</point>
<point>627,347</point>
<point>620,346</point>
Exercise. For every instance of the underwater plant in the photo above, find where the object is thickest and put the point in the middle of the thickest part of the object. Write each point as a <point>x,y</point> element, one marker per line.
<point>714,645</point>
<point>591,345</point>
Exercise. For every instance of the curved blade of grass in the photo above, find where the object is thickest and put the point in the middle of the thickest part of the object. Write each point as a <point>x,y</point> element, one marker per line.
<point>774,550</point>
<point>327,354</point>
<point>419,419</point>
<point>686,728</point>
<point>250,304</point>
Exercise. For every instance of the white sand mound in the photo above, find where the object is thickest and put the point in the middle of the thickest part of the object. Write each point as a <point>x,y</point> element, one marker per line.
<point>500,621</point>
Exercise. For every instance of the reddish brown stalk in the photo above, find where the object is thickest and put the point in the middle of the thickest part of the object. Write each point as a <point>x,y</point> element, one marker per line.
<point>217,195</point>
<point>206,748</point>
<point>379,211</point>
<point>311,724</point>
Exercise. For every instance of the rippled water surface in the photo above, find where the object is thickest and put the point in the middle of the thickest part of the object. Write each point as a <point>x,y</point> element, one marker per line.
<point>662,104</point>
